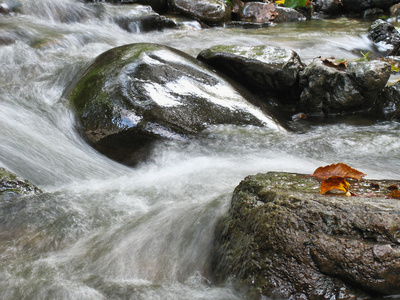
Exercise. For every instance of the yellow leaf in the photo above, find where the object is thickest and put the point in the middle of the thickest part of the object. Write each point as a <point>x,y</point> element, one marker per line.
<point>334,183</point>
<point>280,2</point>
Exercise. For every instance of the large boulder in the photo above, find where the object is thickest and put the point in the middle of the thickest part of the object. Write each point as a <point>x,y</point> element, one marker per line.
<point>135,94</point>
<point>283,239</point>
<point>210,12</point>
<point>385,36</point>
<point>327,88</point>
<point>262,69</point>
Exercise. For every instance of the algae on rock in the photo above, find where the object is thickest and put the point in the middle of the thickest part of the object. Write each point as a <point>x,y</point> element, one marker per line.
<point>282,238</point>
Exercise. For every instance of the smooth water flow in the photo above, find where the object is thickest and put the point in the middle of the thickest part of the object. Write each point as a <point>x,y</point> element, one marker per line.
<point>106,231</point>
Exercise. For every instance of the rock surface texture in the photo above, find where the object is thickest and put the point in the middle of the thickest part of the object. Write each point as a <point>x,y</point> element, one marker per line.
<point>282,239</point>
<point>261,69</point>
<point>211,12</point>
<point>11,183</point>
<point>135,94</point>
<point>385,36</point>
<point>327,89</point>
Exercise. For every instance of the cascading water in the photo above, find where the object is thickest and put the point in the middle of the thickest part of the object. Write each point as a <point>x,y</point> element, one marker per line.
<point>105,231</point>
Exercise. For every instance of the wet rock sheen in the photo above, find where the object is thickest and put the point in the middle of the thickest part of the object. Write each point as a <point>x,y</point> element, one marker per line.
<point>135,94</point>
<point>283,239</point>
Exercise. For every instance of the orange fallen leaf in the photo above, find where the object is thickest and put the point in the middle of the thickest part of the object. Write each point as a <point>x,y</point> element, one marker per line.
<point>339,170</point>
<point>394,194</point>
<point>334,183</point>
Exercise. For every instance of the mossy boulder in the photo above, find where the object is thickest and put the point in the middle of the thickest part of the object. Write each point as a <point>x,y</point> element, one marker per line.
<point>133,95</point>
<point>11,183</point>
<point>283,239</point>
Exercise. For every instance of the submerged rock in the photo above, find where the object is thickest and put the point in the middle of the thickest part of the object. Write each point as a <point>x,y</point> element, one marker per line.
<point>261,69</point>
<point>283,239</point>
<point>13,184</point>
<point>135,94</point>
<point>329,89</point>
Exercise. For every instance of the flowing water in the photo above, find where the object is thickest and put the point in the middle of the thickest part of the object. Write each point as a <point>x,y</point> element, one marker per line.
<point>102,230</point>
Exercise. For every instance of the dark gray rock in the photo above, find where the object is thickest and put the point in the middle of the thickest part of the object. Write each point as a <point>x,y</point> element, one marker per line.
<point>210,12</point>
<point>373,13</point>
<point>133,95</point>
<point>326,89</point>
<point>385,36</point>
<point>262,69</point>
<point>156,5</point>
<point>352,6</point>
<point>283,239</point>
<point>4,8</point>
<point>13,184</point>
<point>389,102</point>
<point>287,14</point>
<point>145,23</point>
<point>330,7</point>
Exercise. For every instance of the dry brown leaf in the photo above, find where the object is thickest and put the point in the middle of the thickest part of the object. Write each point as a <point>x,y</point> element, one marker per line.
<point>394,194</point>
<point>339,170</point>
<point>334,183</point>
<point>335,63</point>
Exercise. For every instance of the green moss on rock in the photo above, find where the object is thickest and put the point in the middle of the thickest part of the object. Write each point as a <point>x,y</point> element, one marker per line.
<point>283,239</point>
<point>11,183</point>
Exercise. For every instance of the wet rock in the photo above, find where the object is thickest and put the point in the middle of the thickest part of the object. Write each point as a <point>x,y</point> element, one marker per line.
<point>330,7</point>
<point>389,102</point>
<point>156,5</point>
<point>354,6</point>
<point>133,95</point>
<point>287,14</point>
<point>145,23</point>
<point>262,69</point>
<point>395,10</point>
<point>4,8</point>
<point>326,89</point>
<point>210,12</point>
<point>385,36</point>
<point>373,13</point>
<point>257,12</point>
<point>13,184</point>
<point>283,239</point>
<point>135,18</point>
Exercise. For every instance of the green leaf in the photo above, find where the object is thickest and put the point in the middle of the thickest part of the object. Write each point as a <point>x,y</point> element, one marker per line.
<point>295,3</point>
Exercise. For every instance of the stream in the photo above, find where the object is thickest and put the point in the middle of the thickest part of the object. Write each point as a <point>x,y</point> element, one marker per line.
<point>102,230</point>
